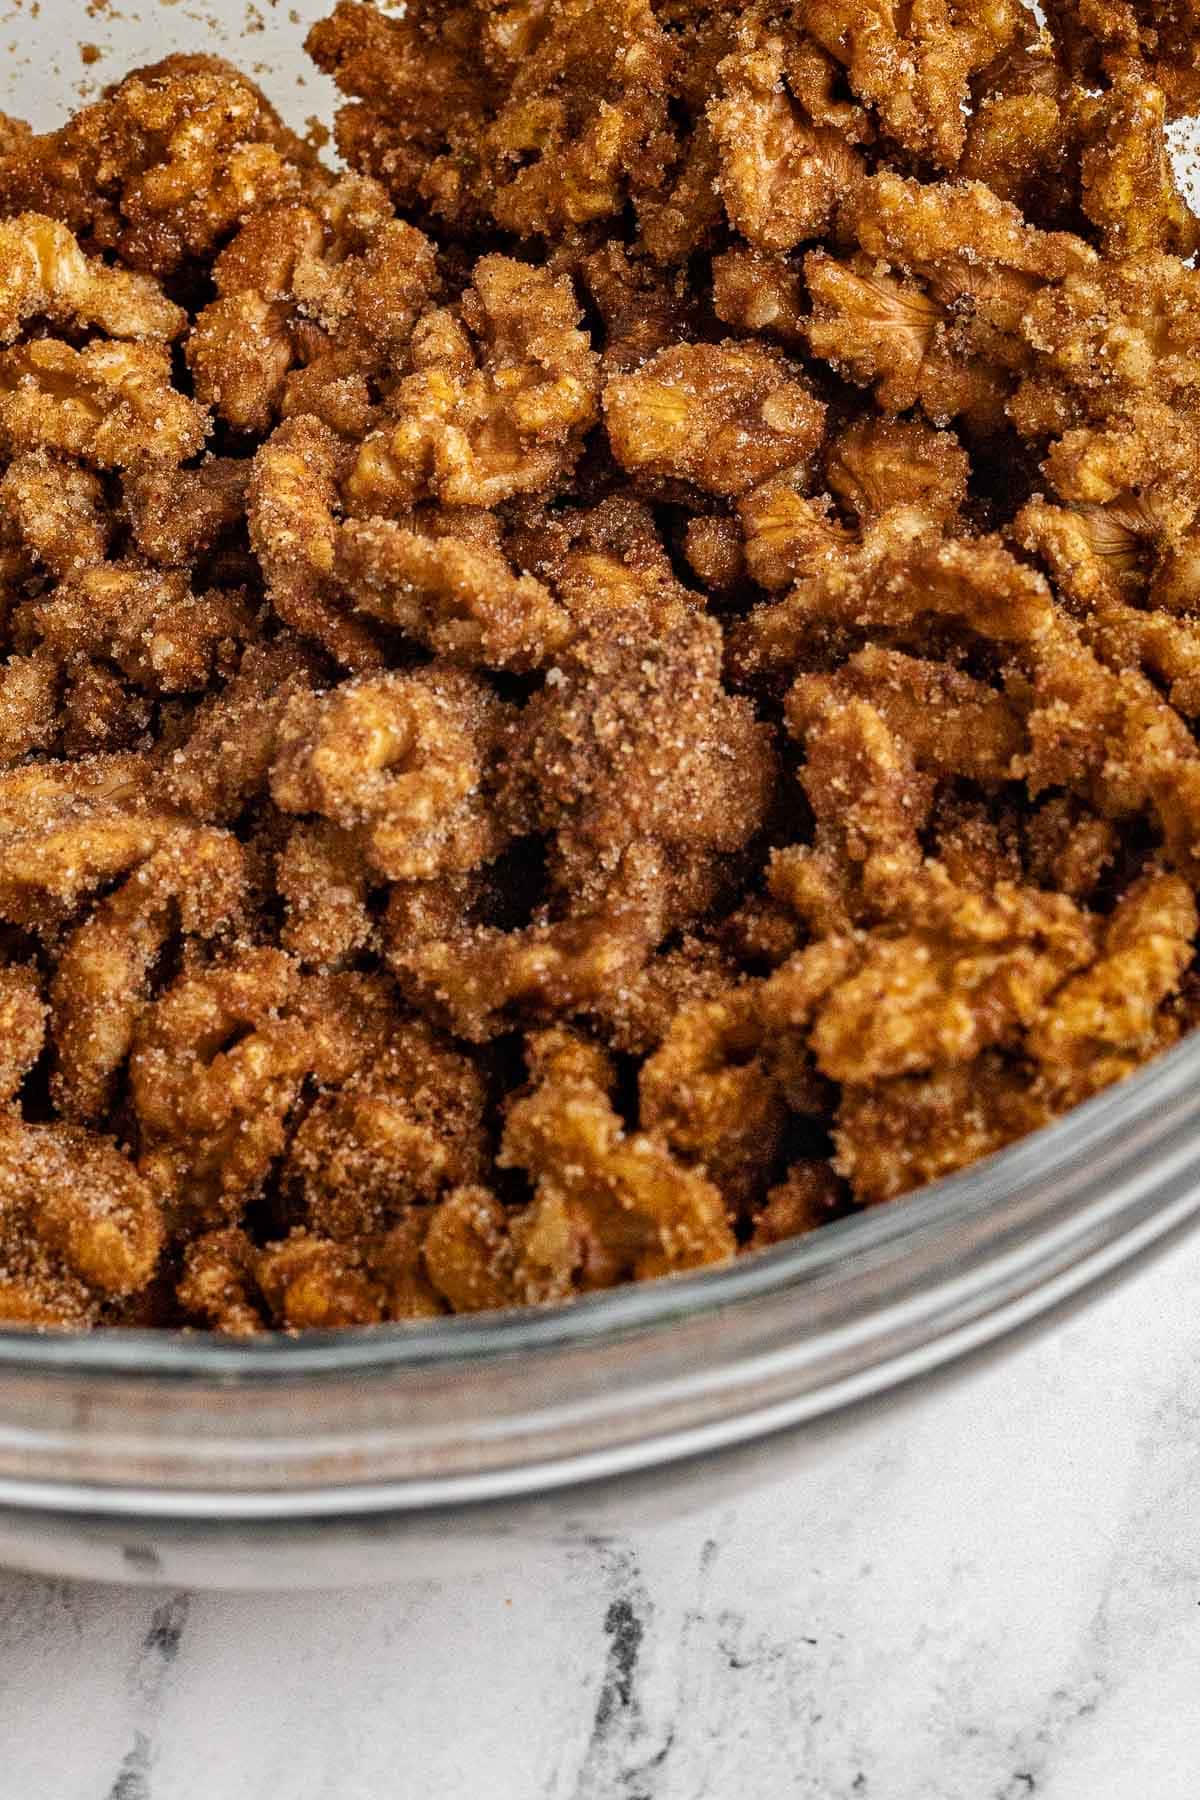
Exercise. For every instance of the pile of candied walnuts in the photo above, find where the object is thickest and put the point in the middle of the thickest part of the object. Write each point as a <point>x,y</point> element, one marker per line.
<point>608,686</point>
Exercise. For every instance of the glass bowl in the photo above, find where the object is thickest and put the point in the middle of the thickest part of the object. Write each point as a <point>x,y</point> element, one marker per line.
<point>362,1454</point>
<point>339,1456</point>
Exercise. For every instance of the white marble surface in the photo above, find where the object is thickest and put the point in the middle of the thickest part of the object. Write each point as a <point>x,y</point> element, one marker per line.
<point>993,1593</point>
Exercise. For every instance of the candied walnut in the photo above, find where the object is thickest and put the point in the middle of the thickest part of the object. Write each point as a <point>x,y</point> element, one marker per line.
<point>761,932</point>
<point>1111,36</point>
<point>951,723</point>
<point>722,417</point>
<point>609,569</point>
<point>395,1260</point>
<point>636,740</point>
<point>22,1025</point>
<point>569,959</point>
<point>713,1089</point>
<point>30,712</point>
<point>292,504</point>
<point>876,464</point>
<point>732,1070</point>
<point>419,90</point>
<point>304,1283</point>
<point>1108,337</point>
<point>58,510</point>
<point>148,622</point>
<point>975,848</point>
<point>323,879</point>
<point>1022,137</point>
<point>1141,547</point>
<point>217,1284</point>
<point>971,977</point>
<point>240,353</point>
<point>459,597</point>
<point>608,1203</point>
<point>1107,1021</point>
<point>179,515</point>
<point>869,802</point>
<point>312,1284</point>
<point>110,404</point>
<point>36,1291</point>
<point>225,759</point>
<point>1125,525</point>
<point>872,467</point>
<point>315,302</point>
<point>583,117</point>
<point>964,242</point>
<point>401,760</point>
<point>100,714</point>
<point>468,1253</point>
<point>781,176</point>
<point>642,309</point>
<point>195,881</point>
<point>503,388</point>
<point>1095,553</point>
<point>396,1135</point>
<point>1068,846</point>
<point>787,535</point>
<point>62,789</point>
<point>1143,456</point>
<point>809,1196</point>
<point>814,76</point>
<point>77,1224</point>
<point>879,330</point>
<point>220,1060</point>
<point>44,274</point>
<point>714,550</point>
<point>914,65</point>
<point>164,167</point>
<point>333,387</point>
<point>902,577</point>
<point>925,321</point>
<point>264,253</point>
<point>758,293</point>
<point>686,216</point>
<point>896,1135</point>
<point>541,118</point>
<point>1128,185</point>
<point>790,995</point>
<point>67,828</point>
<point>1108,738</point>
<point>636,1016</point>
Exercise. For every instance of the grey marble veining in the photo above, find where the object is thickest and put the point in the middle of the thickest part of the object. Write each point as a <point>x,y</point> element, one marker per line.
<point>993,1594</point>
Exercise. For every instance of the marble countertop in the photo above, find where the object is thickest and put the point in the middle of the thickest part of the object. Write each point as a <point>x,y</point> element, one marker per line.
<point>992,1593</point>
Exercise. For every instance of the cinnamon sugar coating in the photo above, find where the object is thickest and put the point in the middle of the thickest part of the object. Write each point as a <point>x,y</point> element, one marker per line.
<point>162,168</point>
<point>609,684</point>
<point>1105,37</point>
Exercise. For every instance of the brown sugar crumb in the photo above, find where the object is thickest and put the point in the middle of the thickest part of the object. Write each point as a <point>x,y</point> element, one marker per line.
<point>613,682</point>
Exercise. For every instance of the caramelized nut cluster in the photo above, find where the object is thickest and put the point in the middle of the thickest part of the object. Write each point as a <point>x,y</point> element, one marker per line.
<point>613,683</point>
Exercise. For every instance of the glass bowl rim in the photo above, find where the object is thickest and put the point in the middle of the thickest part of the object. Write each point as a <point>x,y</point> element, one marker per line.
<point>976,1195</point>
